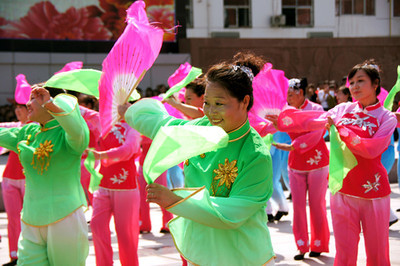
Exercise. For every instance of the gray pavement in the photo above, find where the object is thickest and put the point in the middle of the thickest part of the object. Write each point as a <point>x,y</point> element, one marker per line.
<point>158,249</point>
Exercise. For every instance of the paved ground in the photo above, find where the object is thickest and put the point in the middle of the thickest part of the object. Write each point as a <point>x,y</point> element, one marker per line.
<point>158,249</point>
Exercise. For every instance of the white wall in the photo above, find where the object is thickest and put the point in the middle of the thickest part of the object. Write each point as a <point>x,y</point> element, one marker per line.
<point>208,17</point>
<point>38,67</point>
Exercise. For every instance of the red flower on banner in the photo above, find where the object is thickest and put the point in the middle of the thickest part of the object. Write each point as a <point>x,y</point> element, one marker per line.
<point>3,22</point>
<point>159,11</point>
<point>114,15</point>
<point>164,17</point>
<point>43,21</point>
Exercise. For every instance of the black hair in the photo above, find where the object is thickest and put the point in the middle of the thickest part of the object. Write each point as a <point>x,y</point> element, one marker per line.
<point>302,85</point>
<point>346,91</point>
<point>237,76</point>
<point>372,70</point>
<point>198,86</point>
<point>53,91</point>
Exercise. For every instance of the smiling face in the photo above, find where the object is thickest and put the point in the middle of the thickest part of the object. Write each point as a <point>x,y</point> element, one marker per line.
<point>36,112</point>
<point>363,89</point>
<point>191,98</point>
<point>222,109</point>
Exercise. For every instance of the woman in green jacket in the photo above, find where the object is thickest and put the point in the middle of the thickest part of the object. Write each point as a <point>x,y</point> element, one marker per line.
<point>53,228</point>
<point>221,217</point>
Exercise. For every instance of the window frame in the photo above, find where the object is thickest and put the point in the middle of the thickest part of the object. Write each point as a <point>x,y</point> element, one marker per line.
<point>237,8</point>
<point>296,6</point>
<point>339,8</point>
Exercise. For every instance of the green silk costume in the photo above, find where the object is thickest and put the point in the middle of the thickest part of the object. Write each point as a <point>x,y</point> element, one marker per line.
<point>51,157</point>
<point>221,219</point>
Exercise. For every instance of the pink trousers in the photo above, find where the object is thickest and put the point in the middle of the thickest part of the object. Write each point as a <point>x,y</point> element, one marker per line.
<point>349,215</point>
<point>13,196</point>
<point>314,183</point>
<point>124,206</point>
<point>145,222</point>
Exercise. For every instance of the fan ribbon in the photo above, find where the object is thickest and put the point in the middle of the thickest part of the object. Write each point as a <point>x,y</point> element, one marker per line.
<point>81,80</point>
<point>70,66</point>
<point>192,75</point>
<point>95,176</point>
<point>388,104</point>
<point>22,90</point>
<point>174,144</point>
<point>132,55</point>
<point>341,161</point>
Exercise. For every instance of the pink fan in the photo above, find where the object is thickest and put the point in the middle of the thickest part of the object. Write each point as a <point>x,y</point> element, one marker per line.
<point>382,95</point>
<point>179,75</point>
<point>270,91</point>
<point>70,66</point>
<point>124,67</point>
<point>171,110</point>
<point>22,90</point>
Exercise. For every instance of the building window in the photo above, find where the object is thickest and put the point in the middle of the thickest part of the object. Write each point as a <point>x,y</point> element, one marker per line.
<point>237,14</point>
<point>189,13</point>
<point>298,13</point>
<point>355,7</point>
<point>396,8</point>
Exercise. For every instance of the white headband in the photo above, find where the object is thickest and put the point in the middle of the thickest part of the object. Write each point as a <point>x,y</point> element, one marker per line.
<point>373,66</point>
<point>246,70</point>
<point>294,83</point>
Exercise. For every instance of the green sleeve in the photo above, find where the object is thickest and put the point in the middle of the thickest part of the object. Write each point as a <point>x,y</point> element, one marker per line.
<point>249,193</point>
<point>9,138</point>
<point>71,120</point>
<point>148,115</point>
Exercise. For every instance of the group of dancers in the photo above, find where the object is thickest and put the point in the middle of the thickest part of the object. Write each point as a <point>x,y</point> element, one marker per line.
<point>220,211</point>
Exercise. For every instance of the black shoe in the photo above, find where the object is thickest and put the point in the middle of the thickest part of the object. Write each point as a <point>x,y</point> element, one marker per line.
<point>289,197</point>
<point>299,257</point>
<point>164,231</point>
<point>315,254</point>
<point>271,218</point>
<point>11,263</point>
<point>393,222</point>
<point>279,215</point>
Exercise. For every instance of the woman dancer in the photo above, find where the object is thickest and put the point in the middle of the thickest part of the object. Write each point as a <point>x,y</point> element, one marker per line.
<point>13,188</point>
<point>53,228</point>
<point>222,210</point>
<point>308,174</point>
<point>363,202</point>
<point>118,195</point>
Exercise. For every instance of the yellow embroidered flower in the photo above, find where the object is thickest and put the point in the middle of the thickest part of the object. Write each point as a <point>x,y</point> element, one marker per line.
<point>42,154</point>
<point>226,173</point>
<point>44,149</point>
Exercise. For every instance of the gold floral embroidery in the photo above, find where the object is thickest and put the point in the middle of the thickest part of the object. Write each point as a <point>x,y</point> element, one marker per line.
<point>42,154</point>
<point>203,155</point>
<point>225,174</point>
<point>187,162</point>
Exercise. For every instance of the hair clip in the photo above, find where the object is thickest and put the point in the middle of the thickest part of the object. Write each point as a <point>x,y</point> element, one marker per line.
<point>246,70</point>
<point>372,65</point>
<point>294,83</point>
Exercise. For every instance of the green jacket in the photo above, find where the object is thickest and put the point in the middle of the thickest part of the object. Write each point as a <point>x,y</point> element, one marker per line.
<point>51,157</point>
<point>221,219</point>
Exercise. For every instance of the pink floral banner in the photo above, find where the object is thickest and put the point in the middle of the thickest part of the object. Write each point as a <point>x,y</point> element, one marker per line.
<point>91,20</point>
